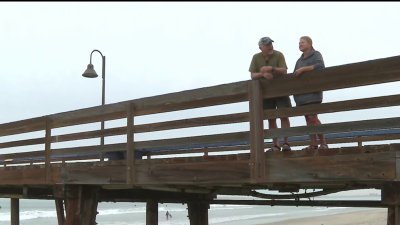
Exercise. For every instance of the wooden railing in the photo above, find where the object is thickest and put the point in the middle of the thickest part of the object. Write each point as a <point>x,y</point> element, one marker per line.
<point>251,139</point>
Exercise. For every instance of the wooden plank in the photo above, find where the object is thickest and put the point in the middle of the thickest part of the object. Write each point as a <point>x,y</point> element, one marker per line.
<point>23,126</point>
<point>256,131</point>
<point>21,176</point>
<point>194,141</point>
<point>234,171</point>
<point>33,141</point>
<point>31,154</point>
<point>339,106</point>
<point>297,203</point>
<point>218,139</point>
<point>193,122</point>
<point>269,144</point>
<point>331,167</point>
<point>336,77</point>
<point>203,150</point>
<point>100,173</point>
<point>374,124</point>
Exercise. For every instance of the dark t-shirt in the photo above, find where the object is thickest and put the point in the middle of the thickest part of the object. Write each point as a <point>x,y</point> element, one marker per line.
<point>315,59</point>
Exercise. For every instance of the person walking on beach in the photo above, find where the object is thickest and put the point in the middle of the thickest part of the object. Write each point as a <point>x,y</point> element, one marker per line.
<point>268,64</point>
<point>168,215</point>
<point>310,60</point>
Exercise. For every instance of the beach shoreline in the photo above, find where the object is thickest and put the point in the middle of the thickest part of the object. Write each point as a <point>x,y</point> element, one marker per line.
<point>362,217</point>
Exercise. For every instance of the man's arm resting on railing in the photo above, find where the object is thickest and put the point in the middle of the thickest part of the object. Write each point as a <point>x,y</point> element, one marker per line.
<point>267,71</point>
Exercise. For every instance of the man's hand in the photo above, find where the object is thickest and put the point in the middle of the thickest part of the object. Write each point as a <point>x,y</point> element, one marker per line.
<point>268,76</point>
<point>298,72</point>
<point>266,69</point>
<point>302,70</point>
<point>255,76</point>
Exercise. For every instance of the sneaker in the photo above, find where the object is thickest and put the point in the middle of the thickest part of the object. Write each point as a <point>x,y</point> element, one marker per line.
<point>323,146</point>
<point>286,147</point>
<point>274,149</point>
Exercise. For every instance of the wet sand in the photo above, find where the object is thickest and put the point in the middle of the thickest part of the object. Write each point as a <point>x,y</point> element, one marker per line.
<point>364,217</point>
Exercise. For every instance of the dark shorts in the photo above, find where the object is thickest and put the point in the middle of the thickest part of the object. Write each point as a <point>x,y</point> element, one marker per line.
<point>274,103</point>
<point>310,103</point>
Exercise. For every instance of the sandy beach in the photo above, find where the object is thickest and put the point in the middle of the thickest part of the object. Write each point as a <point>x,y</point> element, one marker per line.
<point>363,217</point>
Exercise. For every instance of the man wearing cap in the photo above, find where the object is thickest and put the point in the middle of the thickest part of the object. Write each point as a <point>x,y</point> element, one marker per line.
<point>267,64</point>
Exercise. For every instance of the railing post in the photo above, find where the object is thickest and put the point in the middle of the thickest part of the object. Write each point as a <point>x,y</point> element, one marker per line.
<point>47,150</point>
<point>257,161</point>
<point>130,147</point>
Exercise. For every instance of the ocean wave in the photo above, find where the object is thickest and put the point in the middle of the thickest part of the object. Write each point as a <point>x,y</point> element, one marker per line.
<point>229,207</point>
<point>32,214</point>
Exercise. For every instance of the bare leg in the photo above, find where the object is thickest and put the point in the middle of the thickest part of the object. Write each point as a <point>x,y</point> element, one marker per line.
<point>285,123</point>
<point>311,122</point>
<point>272,125</point>
<point>320,136</point>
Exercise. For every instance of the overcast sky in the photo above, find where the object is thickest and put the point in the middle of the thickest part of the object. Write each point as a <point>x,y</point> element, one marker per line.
<point>155,48</point>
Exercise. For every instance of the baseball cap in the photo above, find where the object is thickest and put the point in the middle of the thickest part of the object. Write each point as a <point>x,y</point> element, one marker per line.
<point>265,41</point>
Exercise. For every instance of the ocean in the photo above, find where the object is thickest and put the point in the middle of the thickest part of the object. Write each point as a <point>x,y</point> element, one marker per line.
<point>42,212</point>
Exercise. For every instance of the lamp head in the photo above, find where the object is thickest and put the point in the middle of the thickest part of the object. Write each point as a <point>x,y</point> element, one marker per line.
<point>90,72</point>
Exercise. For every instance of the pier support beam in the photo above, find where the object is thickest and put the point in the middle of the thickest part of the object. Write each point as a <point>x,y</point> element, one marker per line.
<point>198,213</point>
<point>393,216</point>
<point>391,197</point>
<point>60,211</point>
<point>81,205</point>
<point>14,211</point>
<point>152,212</point>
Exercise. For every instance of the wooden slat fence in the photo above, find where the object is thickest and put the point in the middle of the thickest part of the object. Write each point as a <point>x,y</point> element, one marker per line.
<point>249,93</point>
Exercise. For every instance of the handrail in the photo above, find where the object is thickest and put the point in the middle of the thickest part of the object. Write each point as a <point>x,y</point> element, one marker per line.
<point>337,77</point>
<point>332,78</point>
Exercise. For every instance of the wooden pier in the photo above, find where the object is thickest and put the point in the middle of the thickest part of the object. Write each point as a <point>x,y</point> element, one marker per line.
<point>196,169</point>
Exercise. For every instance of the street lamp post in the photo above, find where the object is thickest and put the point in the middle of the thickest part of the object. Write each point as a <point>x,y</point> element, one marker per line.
<point>91,73</point>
